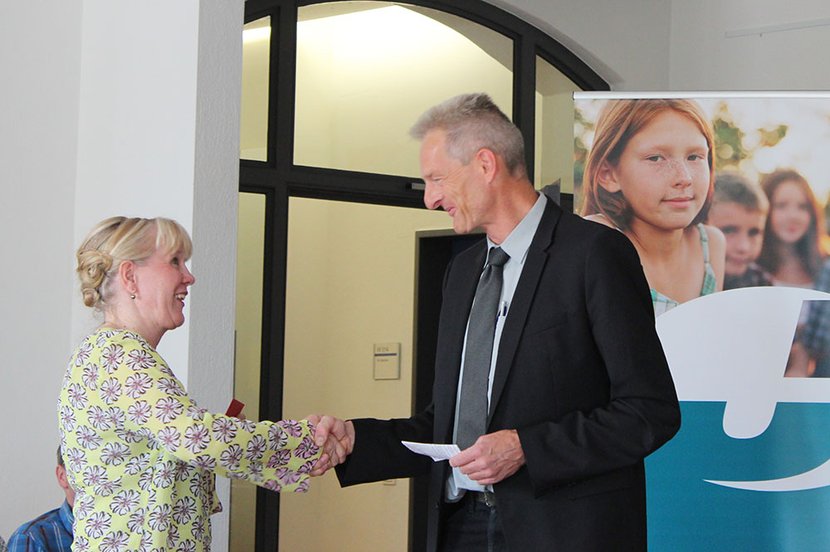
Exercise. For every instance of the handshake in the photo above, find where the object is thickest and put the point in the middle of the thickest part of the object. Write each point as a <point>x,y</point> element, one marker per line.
<point>335,438</point>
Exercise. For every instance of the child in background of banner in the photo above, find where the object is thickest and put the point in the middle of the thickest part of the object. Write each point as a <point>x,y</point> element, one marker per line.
<point>739,209</point>
<point>793,252</point>
<point>793,239</point>
<point>816,333</point>
<point>650,174</point>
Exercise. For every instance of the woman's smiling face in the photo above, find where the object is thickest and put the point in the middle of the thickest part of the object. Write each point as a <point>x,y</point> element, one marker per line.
<point>161,283</point>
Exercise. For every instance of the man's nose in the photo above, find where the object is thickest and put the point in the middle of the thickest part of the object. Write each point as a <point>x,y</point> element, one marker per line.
<point>431,196</point>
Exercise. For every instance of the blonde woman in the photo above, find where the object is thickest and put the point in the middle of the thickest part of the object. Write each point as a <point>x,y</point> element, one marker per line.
<point>140,454</point>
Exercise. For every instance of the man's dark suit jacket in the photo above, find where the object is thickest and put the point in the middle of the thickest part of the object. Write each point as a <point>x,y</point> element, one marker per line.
<point>581,376</point>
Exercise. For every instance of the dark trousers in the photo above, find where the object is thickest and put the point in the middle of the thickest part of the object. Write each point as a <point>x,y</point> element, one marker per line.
<point>470,525</point>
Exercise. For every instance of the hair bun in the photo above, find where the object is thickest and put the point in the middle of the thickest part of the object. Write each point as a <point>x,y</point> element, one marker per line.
<point>93,266</point>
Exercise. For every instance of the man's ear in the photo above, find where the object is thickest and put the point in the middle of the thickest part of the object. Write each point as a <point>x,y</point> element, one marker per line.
<point>127,276</point>
<point>487,162</point>
<point>607,178</point>
<point>60,473</point>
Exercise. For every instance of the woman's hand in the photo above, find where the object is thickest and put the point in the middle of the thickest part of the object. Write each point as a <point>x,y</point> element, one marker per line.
<point>335,437</point>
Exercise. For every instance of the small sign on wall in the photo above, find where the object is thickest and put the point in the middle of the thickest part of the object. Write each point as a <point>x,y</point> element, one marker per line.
<point>387,361</point>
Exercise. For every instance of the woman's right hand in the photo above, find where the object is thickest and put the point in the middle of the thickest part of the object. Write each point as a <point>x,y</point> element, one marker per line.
<point>335,437</point>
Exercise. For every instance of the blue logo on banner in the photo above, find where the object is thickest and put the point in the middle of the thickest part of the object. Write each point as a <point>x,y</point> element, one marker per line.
<point>750,467</point>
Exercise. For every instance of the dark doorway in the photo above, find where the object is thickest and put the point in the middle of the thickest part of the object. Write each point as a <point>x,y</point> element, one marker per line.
<point>433,251</point>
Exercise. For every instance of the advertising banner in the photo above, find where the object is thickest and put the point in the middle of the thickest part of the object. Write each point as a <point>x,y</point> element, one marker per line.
<point>724,197</point>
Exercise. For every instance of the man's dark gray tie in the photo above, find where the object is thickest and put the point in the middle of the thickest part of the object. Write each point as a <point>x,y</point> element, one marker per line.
<point>472,405</point>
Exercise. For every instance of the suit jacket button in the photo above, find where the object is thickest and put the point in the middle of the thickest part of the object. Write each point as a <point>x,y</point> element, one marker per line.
<point>437,505</point>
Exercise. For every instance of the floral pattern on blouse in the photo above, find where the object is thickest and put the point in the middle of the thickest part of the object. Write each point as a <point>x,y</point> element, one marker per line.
<point>141,455</point>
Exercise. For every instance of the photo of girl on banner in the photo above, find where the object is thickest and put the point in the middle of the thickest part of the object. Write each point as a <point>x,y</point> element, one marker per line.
<point>715,193</point>
<point>650,174</point>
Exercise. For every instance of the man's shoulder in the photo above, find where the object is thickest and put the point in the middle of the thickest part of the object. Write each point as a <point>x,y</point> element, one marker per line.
<point>31,529</point>
<point>577,232</point>
<point>588,225</point>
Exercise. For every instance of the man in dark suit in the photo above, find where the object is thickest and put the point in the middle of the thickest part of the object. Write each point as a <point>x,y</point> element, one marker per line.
<point>579,390</point>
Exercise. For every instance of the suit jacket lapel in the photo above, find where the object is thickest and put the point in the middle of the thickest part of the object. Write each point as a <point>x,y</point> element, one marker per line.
<point>537,257</point>
<point>458,298</point>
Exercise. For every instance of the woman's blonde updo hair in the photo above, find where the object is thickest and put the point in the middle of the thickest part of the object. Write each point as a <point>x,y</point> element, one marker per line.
<point>117,239</point>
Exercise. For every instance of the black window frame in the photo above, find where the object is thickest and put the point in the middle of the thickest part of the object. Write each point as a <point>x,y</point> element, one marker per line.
<point>279,179</point>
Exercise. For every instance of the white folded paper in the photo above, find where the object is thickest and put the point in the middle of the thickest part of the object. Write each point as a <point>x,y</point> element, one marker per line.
<point>434,451</point>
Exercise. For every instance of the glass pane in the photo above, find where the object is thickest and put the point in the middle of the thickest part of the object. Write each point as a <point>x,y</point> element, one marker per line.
<point>367,70</point>
<point>554,127</point>
<point>256,46</point>
<point>249,265</point>
<point>350,283</point>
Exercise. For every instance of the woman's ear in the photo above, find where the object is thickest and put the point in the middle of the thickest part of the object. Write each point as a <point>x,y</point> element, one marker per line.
<point>126,275</point>
<point>607,178</point>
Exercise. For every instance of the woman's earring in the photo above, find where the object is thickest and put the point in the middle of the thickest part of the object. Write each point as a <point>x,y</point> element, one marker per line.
<point>132,296</point>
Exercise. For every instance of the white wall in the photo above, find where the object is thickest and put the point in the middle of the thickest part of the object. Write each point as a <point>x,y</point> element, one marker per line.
<point>111,108</point>
<point>41,64</point>
<point>704,58</point>
<point>626,43</point>
<point>136,127</point>
<point>681,44</point>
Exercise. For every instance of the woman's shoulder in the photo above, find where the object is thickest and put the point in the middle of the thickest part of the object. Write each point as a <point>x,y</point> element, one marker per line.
<point>106,339</point>
<point>107,334</point>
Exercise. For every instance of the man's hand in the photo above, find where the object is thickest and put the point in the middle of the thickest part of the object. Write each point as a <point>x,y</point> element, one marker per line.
<point>335,437</point>
<point>493,458</point>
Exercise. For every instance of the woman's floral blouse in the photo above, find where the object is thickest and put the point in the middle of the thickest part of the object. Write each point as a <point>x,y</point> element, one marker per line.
<point>141,455</point>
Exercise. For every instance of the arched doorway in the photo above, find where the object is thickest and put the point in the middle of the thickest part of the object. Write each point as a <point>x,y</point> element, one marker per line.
<point>329,92</point>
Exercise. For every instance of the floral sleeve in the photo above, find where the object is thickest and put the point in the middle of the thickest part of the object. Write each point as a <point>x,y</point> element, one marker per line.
<point>131,391</point>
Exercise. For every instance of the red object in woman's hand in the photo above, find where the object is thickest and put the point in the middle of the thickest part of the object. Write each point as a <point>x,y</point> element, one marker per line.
<point>234,408</point>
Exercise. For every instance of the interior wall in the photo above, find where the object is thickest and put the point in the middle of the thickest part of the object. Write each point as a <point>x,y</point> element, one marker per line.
<point>102,118</point>
<point>754,56</point>
<point>158,136</point>
<point>215,189</point>
<point>40,62</point>
<point>626,43</point>
<point>682,45</point>
<point>136,130</point>
<point>350,285</point>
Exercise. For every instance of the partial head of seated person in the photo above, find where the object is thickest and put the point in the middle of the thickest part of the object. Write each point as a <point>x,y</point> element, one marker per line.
<point>52,530</point>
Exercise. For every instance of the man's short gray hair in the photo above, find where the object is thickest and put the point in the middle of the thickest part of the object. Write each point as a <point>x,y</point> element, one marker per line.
<point>472,122</point>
